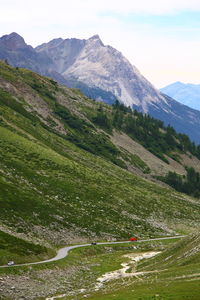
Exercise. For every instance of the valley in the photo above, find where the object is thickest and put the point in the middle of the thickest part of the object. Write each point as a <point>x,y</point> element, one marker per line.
<point>73,171</point>
<point>99,165</point>
<point>85,272</point>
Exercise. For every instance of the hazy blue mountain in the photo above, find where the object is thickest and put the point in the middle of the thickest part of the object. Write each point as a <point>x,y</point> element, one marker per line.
<point>186,93</point>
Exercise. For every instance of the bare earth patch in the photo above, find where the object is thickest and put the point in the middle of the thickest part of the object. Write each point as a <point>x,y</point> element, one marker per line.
<point>122,273</point>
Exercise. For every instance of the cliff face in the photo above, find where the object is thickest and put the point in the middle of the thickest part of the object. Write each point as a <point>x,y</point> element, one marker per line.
<point>93,63</point>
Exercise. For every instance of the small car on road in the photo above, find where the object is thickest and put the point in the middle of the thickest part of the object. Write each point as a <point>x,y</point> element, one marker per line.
<point>10,263</point>
<point>133,239</point>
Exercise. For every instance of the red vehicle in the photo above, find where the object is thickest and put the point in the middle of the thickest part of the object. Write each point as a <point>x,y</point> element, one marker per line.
<point>133,239</point>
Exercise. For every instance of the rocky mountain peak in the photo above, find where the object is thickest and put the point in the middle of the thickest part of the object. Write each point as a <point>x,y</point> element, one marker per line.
<point>95,39</point>
<point>104,67</point>
<point>13,41</point>
<point>52,43</point>
<point>63,52</point>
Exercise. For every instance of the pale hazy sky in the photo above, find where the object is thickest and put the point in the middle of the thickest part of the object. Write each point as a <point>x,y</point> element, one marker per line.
<point>160,37</point>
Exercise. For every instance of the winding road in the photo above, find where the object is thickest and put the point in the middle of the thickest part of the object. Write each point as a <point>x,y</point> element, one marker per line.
<point>63,252</point>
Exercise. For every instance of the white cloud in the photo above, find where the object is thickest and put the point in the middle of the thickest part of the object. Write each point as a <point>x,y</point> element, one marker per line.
<point>143,6</point>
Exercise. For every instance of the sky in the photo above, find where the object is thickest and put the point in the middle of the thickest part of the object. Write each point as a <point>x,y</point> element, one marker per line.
<point>160,37</point>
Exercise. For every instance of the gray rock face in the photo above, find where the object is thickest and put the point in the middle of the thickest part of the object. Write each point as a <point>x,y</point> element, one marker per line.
<point>93,63</point>
<point>62,52</point>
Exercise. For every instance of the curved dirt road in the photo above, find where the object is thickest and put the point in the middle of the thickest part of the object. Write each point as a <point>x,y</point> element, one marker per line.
<point>63,252</point>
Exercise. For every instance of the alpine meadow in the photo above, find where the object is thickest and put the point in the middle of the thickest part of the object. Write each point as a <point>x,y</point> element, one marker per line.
<point>74,170</point>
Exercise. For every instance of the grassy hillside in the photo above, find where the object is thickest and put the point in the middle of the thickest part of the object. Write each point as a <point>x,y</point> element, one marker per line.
<point>79,271</point>
<point>19,250</point>
<point>173,274</point>
<point>64,180</point>
<point>183,255</point>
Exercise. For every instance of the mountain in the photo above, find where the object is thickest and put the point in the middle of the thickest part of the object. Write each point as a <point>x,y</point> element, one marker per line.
<point>183,118</point>
<point>16,52</point>
<point>101,66</point>
<point>14,49</point>
<point>186,93</point>
<point>104,74</point>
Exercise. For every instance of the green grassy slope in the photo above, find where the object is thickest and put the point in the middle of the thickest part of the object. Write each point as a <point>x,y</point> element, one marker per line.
<point>20,251</point>
<point>61,177</point>
<point>184,254</point>
<point>40,187</point>
<point>176,275</point>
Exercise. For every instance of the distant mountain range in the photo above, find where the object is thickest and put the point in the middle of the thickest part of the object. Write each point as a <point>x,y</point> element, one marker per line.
<point>102,73</point>
<point>186,93</point>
